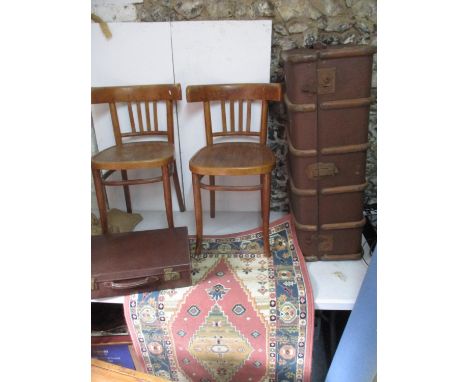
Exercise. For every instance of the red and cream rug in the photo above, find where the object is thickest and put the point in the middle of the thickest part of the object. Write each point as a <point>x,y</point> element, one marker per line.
<point>246,317</point>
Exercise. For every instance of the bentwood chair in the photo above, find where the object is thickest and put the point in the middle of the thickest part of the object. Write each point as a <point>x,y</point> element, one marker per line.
<point>137,155</point>
<point>233,158</point>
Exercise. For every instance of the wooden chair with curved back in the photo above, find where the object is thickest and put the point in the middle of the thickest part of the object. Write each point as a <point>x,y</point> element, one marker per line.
<point>233,158</point>
<point>137,155</point>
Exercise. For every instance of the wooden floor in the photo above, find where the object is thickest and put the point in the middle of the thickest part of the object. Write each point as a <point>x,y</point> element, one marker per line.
<point>107,372</point>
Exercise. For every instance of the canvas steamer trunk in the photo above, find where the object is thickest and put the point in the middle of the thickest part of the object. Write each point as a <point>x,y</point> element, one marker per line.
<point>328,95</point>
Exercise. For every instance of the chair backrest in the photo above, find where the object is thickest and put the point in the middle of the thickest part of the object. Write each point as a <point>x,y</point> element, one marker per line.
<point>142,94</point>
<point>231,93</point>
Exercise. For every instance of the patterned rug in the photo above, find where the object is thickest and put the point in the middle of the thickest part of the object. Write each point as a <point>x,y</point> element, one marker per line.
<point>246,317</point>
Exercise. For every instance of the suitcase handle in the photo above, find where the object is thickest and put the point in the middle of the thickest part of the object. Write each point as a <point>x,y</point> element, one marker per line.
<point>133,284</point>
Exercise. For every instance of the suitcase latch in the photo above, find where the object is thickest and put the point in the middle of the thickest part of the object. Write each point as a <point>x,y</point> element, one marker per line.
<point>321,169</point>
<point>326,80</point>
<point>170,275</point>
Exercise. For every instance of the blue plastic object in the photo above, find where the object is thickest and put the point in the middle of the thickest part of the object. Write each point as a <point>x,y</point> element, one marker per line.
<point>355,358</point>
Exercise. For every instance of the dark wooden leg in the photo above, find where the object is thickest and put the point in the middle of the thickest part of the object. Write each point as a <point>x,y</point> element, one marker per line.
<point>212,198</point>
<point>167,195</point>
<point>178,191</point>
<point>266,179</point>
<point>198,211</point>
<point>126,188</point>
<point>101,200</point>
<point>104,190</point>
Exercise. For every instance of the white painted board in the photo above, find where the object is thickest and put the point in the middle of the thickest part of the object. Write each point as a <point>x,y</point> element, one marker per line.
<point>217,52</point>
<point>137,54</point>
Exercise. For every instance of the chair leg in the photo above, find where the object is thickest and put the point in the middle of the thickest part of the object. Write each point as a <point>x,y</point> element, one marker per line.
<point>126,188</point>
<point>178,191</point>
<point>212,198</point>
<point>106,199</point>
<point>167,195</point>
<point>198,212</point>
<point>266,185</point>
<point>101,200</point>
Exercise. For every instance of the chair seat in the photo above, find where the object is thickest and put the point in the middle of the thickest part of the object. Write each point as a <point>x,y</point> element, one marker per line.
<point>233,158</point>
<point>134,155</point>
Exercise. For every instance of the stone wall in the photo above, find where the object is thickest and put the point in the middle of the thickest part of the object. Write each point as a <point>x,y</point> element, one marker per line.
<point>296,23</point>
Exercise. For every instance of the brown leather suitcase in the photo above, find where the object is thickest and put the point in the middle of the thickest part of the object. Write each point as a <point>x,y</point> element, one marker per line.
<point>328,95</point>
<point>130,262</point>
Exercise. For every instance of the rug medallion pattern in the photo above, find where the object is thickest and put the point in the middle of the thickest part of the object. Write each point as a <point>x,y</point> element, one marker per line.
<point>246,317</point>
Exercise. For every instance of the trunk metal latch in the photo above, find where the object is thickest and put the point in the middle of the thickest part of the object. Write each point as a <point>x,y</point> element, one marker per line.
<point>321,169</point>
<point>326,80</point>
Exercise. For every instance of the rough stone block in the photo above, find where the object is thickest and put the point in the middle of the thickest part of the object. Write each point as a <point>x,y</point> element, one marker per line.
<point>329,7</point>
<point>280,29</point>
<point>311,36</point>
<point>366,8</point>
<point>348,38</point>
<point>298,25</point>
<point>189,9</point>
<point>338,24</point>
<point>220,9</point>
<point>297,8</point>
<point>365,25</point>
<point>263,8</point>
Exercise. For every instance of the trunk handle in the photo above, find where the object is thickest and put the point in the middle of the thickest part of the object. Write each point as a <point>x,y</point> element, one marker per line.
<point>133,284</point>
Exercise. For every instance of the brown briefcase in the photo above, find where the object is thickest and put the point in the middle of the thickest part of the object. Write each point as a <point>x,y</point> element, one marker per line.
<point>130,262</point>
<point>328,95</point>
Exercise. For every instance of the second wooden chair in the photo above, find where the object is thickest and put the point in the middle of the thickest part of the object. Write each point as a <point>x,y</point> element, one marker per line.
<point>233,158</point>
